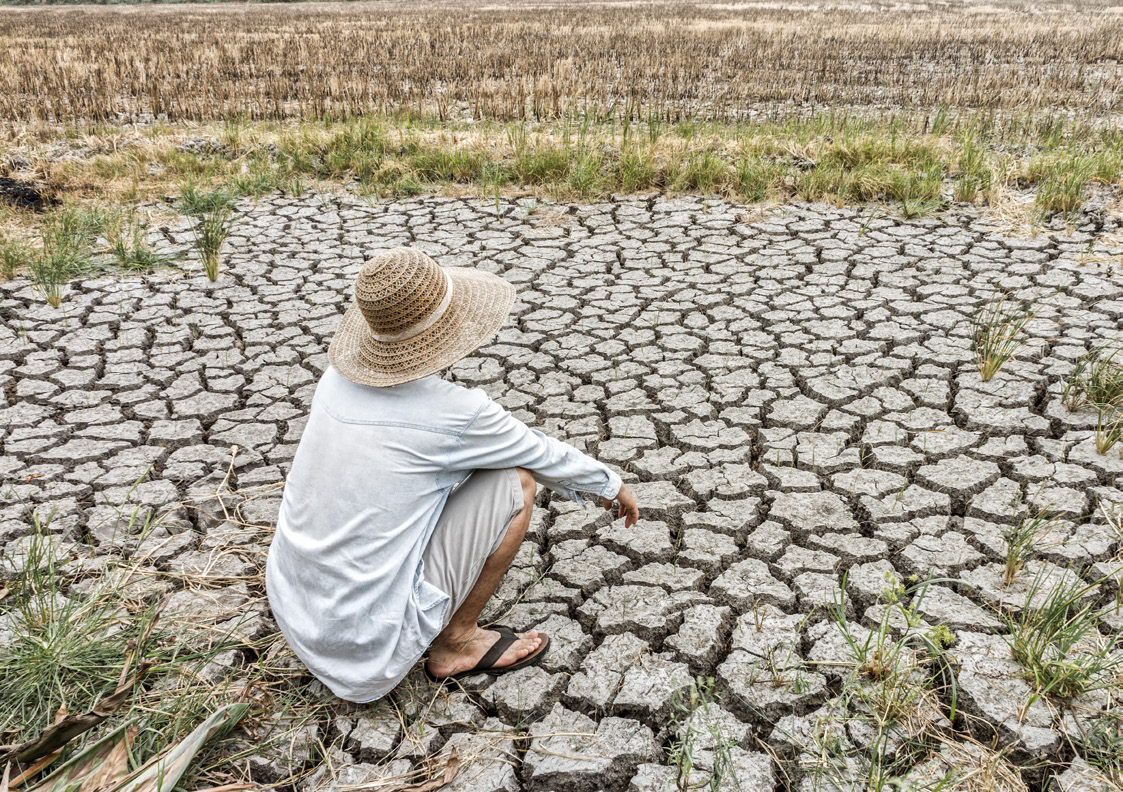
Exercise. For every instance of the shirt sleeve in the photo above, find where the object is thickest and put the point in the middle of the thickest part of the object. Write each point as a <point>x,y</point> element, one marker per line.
<point>495,439</point>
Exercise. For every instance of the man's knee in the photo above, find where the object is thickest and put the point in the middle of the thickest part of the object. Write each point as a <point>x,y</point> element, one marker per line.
<point>529,488</point>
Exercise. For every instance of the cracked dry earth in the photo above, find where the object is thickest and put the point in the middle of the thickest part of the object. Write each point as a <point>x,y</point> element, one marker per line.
<point>791,394</point>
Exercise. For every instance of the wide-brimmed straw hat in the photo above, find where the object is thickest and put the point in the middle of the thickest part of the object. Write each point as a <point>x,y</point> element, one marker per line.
<point>412,318</point>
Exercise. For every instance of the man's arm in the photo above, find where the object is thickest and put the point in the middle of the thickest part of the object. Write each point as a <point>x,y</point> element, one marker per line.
<point>495,439</point>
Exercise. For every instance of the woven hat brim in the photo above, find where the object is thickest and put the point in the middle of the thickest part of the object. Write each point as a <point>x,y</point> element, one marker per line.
<point>480,303</point>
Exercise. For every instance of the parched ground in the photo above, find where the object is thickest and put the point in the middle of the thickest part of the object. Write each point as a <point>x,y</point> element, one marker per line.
<point>792,395</point>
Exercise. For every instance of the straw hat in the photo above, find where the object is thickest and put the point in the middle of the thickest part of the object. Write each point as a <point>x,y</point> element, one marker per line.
<point>412,318</point>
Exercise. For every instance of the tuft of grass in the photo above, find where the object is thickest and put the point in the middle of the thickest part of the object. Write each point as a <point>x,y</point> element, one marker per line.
<point>1097,380</point>
<point>754,180</point>
<point>705,171</point>
<point>1101,744</point>
<point>258,177</point>
<point>211,231</point>
<point>636,171</point>
<point>195,202</point>
<point>294,187</point>
<point>998,331</point>
<point>49,274</point>
<point>973,180</point>
<point>1021,540</point>
<point>891,693</point>
<point>14,255</point>
<point>59,652</point>
<point>1061,182</point>
<point>66,251</point>
<point>699,749</point>
<point>540,164</point>
<point>1109,428</point>
<point>73,633</point>
<point>1055,637</point>
<point>128,244</point>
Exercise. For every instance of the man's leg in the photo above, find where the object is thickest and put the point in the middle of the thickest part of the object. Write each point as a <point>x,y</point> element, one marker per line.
<point>462,643</point>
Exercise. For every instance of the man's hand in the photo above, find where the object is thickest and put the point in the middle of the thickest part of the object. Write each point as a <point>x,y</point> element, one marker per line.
<point>627,507</point>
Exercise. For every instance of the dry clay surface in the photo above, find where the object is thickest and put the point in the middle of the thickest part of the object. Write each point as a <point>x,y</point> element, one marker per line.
<point>791,395</point>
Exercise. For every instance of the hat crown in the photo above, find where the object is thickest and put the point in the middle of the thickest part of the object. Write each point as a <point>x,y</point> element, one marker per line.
<point>399,288</point>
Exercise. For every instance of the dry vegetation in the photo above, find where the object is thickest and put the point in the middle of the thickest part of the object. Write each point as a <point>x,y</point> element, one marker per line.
<point>918,105</point>
<point>662,60</point>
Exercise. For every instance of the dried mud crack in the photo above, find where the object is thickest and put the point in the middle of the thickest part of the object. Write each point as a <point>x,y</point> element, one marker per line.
<point>794,399</point>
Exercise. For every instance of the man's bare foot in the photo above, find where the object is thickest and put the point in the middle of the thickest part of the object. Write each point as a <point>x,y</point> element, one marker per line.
<point>453,656</point>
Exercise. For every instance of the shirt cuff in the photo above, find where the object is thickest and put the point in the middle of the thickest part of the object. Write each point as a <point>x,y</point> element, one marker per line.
<point>612,488</point>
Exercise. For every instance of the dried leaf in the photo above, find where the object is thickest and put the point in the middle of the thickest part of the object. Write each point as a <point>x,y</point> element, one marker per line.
<point>71,726</point>
<point>114,769</point>
<point>35,768</point>
<point>162,773</point>
<point>71,774</point>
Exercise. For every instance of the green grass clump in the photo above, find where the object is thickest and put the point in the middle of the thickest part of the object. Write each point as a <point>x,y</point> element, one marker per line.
<point>699,749</point>
<point>68,234</point>
<point>458,166</point>
<point>195,202</point>
<point>1021,541</point>
<point>754,179</point>
<point>1109,428</point>
<point>73,634</point>
<point>705,171</point>
<point>1055,637</point>
<point>539,165</point>
<point>998,331</point>
<point>211,231</point>
<point>635,171</point>
<point>128,244</point>
<point>49,274</point>
<point>1096,380</point>
<point>1061,181</point>
<point>60,653</point>
<point>900,691</point>
<point>1101,744</point>
<point>259,176</point>
<point>14,254</point>
<point>974,176</point>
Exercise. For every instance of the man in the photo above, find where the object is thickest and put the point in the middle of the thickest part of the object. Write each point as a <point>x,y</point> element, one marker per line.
<point>408,495</point>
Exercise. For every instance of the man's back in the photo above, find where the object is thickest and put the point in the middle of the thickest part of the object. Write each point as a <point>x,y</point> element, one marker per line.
<point>372,473</point>
<point>367,484</point>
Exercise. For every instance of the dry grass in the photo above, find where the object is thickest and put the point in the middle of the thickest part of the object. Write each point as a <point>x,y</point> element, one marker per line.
<point>911,160</point>
<point>665,60</point>
<point>77,628</point>
<point>1009,106</point>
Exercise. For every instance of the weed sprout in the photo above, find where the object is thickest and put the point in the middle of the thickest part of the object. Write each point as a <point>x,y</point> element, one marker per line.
<point>998,331</point>
<point>211,231</point>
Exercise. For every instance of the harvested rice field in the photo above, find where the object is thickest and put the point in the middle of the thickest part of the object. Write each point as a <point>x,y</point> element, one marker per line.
<point>837,291</point>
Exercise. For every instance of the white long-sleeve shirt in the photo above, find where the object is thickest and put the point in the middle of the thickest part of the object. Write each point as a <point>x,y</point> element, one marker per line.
<point>370,477</point>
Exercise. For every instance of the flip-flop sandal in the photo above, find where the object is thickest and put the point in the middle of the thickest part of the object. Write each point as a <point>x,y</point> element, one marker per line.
<point>486,665</point>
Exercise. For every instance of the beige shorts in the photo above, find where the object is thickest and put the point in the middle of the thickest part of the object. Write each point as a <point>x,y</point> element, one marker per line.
<point>471,527</point>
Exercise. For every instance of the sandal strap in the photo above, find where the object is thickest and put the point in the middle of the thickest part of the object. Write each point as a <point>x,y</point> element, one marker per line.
<point>501,645</point>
